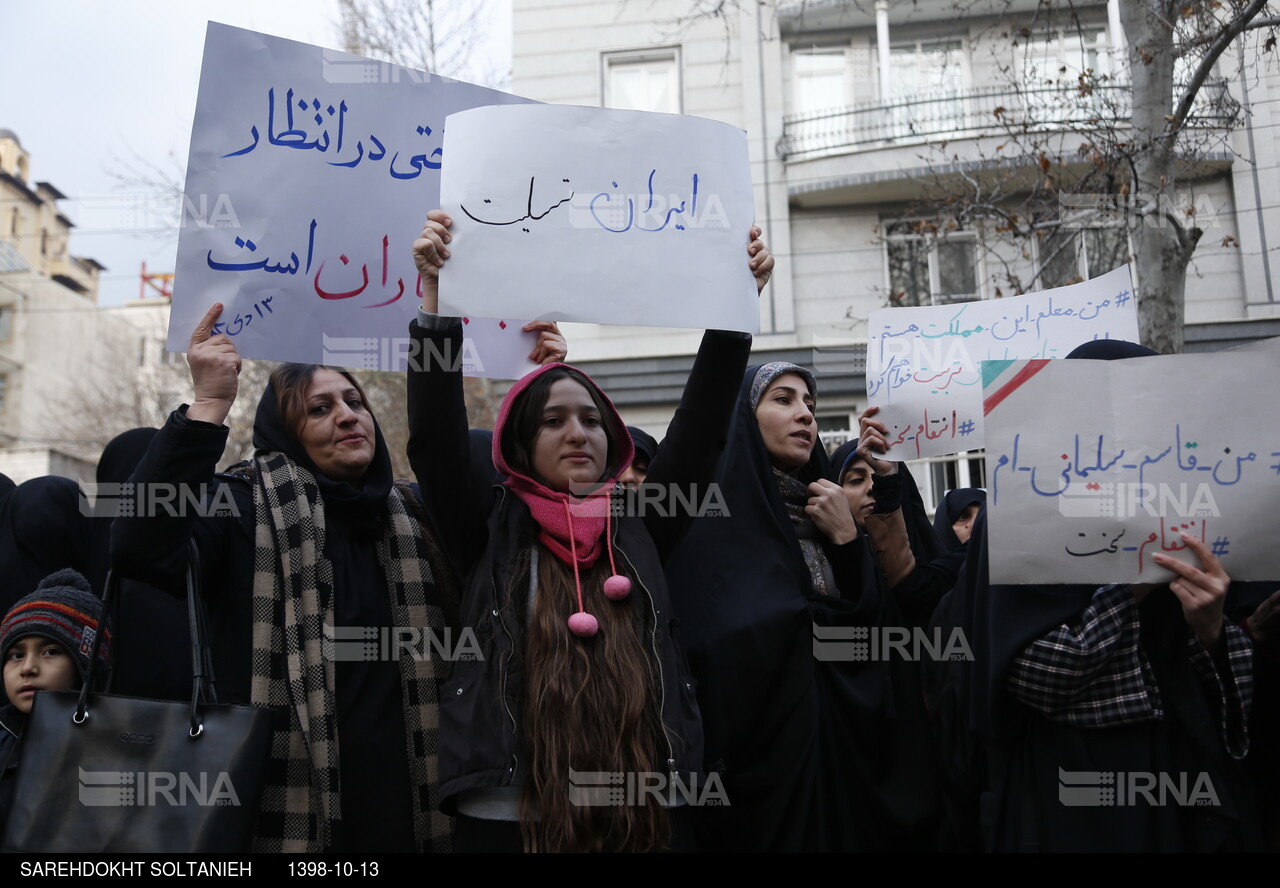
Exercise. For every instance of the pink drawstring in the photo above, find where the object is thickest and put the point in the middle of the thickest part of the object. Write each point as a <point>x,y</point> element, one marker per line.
<point>616,587</point>
<point>581,624</point>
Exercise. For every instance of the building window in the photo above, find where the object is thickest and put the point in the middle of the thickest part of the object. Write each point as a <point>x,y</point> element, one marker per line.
<point>928,270</point>
<point>1062,56</point>
<point>1056,67</point>
<point>643,80</point>
<point>835,429</point>
<point>6,322</point>
<point>820,80</point>
<point>1059,260</point>
<point>1071,256</point>
<point>1104,249</point>
<point>929,89</point>
<point>938,474</point>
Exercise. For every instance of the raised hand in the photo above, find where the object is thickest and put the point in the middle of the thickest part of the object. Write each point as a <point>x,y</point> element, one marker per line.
<point>1264,623</point>
<point>1202,591</point>
<point>761,259</point>
<point>215,370</point>
<point>829,509</point>
<point>551,347</point>
<point>872,436</point>
<point>429,254</point>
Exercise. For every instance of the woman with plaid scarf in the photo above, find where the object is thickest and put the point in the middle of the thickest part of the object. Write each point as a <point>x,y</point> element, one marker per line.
<point>310,543</point>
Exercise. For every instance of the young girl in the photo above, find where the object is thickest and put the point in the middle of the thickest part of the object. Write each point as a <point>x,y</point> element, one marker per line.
<point>46,638</point>
<point>582,679</point>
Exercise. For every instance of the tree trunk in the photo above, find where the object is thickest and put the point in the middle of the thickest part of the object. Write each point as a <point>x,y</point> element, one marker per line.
<point>1162,248</point>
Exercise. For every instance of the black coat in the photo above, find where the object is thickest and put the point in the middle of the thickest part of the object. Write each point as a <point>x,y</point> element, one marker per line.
<point>373,761</point>
<point>11,724</point>
<point>1008,757</point>
<point>489,528</point>
<point>815,754</point>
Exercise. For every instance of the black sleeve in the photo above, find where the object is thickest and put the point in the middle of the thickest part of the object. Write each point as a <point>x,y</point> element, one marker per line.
<point>149,541</point>
<point>439,448</point>
<point>849,564</point>
<point>919,593</point>
<point>698,433</point>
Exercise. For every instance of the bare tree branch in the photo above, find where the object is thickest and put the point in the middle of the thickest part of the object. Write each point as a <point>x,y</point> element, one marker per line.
<point>1219,45</point>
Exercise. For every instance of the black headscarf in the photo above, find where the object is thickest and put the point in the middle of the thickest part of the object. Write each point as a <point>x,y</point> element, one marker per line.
<point>44,527</point>
<point>365,505</point>
<point>924,543</point>
<point>645,444</point>
<point>952,506</point>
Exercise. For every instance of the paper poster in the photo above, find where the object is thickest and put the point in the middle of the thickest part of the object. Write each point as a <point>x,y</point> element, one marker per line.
<point>1093,467</point>
<point>310,175</point>
<point>566,213</point>
<point>923,363</point>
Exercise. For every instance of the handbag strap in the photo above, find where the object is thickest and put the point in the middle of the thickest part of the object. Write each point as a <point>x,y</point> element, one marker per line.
<point>202,675</point>
<point>201,658</point>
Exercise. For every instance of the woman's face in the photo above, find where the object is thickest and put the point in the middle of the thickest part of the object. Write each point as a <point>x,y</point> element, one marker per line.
<point>963,526</point>
<point>338,430</point>
<point>570,449</point>
<point>785,417</point>
<point>857,484</point>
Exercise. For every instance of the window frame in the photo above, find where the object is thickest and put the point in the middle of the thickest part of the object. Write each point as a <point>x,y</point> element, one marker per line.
<point>618,59</point>
<point>935,296</point>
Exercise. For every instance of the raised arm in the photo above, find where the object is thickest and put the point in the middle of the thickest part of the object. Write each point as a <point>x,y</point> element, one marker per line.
<point>698,433</point>
<point>149,543</point>
<point>439,447</point>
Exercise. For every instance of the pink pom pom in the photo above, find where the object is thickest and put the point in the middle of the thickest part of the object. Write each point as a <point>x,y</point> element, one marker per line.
<point>583,625</point>
<point>617,588</point>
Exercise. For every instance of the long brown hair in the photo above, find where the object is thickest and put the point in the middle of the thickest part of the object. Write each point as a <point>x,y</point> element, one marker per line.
<point>590,704</point>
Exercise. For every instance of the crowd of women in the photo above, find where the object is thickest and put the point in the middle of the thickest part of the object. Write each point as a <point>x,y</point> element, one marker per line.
<point>661,648</point>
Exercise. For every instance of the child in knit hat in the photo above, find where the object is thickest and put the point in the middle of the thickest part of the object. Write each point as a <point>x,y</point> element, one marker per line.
<point>46,638</point>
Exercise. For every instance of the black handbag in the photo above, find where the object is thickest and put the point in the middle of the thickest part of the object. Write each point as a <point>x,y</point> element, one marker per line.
<point>107,773</point>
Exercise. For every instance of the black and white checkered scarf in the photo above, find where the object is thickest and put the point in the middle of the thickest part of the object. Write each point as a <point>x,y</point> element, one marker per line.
<point>301,804</point>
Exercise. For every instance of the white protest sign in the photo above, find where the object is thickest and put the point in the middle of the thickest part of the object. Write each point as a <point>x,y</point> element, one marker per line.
<point>310,175</point>
<point>1093,467</point>
<point>586,214</point>
<point>922,363</point>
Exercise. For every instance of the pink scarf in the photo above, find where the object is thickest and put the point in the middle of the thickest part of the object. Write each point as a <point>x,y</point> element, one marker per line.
<point>567,527</point>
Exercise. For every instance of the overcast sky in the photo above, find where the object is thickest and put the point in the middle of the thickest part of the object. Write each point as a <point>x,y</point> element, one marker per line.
<point>93,87</point>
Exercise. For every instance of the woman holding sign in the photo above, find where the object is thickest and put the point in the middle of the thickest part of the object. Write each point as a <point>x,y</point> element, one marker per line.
<point>822,741</point>
<point>310,543</point>
<point>582,676</point>
<point>1108,718</point>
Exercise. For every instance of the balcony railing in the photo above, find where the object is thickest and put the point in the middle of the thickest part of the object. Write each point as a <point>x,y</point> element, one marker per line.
<point>958,114</point>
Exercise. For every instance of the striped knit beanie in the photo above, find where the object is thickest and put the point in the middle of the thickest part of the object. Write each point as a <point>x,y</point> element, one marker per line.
<point>63,608</point>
